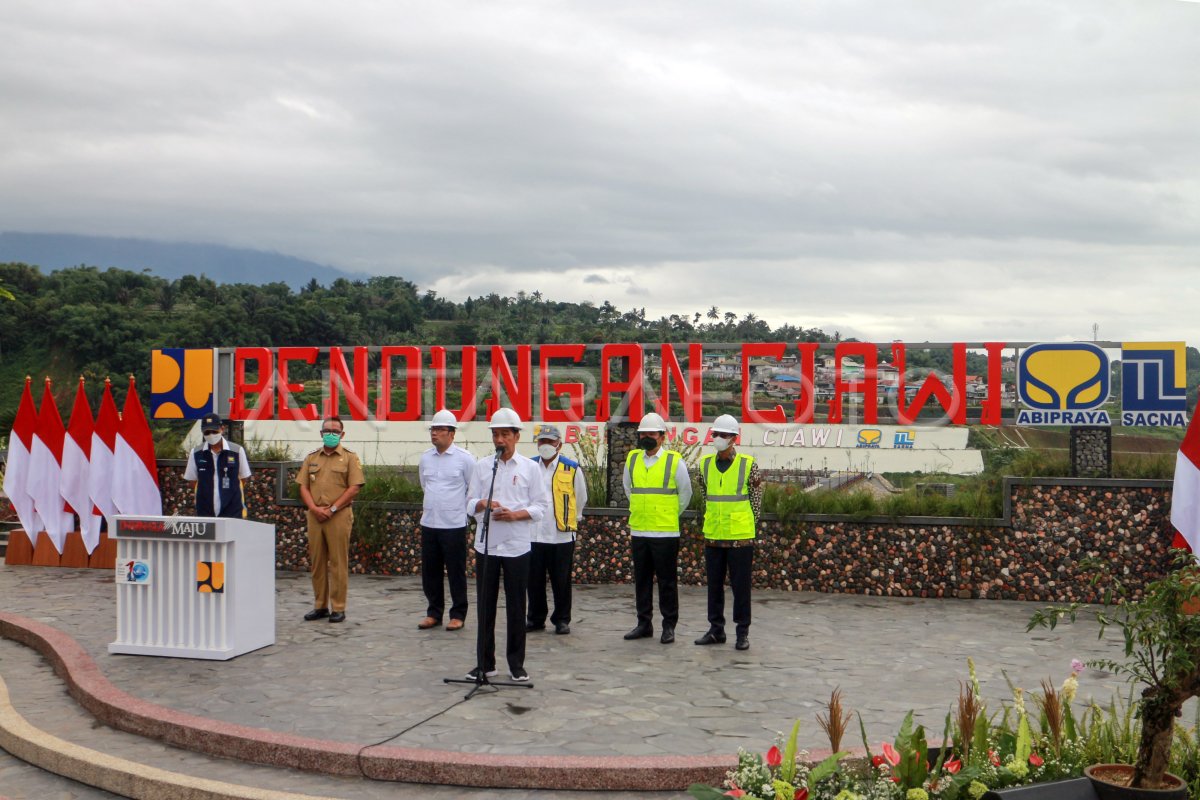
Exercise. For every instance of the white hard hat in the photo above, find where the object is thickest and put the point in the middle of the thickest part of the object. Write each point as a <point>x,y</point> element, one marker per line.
<point>652,423</point>
<point>726,423</point>
<point>444,419</point>
<point>506,418</point>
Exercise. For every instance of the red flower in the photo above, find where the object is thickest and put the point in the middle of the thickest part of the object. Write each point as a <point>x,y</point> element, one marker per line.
<point>1035,760</point>
<point>774,757</point>
<point>735,792</point>
<point>952,766</point>
<point>890,753</point>
<point>876,761</point>
<point>801,794</point>
<point>994,758</point>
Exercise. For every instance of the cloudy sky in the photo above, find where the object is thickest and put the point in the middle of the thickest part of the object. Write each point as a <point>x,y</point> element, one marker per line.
<point>936,170</point>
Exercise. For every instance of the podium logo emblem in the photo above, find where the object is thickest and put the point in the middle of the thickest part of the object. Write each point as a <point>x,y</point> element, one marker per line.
<point>210,576</point>
<point>135,571</point>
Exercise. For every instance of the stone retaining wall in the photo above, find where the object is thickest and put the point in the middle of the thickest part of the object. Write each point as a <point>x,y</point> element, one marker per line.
<point>1032,553</point>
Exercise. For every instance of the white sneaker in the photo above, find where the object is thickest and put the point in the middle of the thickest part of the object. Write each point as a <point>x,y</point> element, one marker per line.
<point>520,675</point>
<point>473,675</point>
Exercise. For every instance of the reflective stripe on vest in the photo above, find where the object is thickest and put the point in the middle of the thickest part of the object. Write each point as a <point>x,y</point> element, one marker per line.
<point>654,495</point>
<point>562,492</point>
<point>727,511</point>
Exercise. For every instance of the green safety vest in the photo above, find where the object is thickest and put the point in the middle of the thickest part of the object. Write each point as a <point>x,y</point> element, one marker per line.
<point>727,510</point>
<point>654,497</point>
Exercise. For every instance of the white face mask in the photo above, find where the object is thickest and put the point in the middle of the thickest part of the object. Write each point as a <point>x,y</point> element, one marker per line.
<point>547,451</point>
<point>212,438</point>
<point>721,444</point>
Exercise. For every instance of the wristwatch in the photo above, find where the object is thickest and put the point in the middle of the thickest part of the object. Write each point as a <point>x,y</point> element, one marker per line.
<point>333,508</point>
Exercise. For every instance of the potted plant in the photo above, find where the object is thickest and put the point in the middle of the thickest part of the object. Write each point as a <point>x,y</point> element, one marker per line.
<point>1162,654</point>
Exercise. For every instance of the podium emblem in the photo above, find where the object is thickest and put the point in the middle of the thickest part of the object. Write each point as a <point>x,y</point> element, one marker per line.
<point>210,576</point>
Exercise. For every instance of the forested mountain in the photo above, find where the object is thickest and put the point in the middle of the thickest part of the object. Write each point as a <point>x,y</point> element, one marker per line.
<point>53,251</point>
<point>92,322</point>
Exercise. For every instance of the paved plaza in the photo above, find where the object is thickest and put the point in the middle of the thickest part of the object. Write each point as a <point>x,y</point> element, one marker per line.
<point>376,677</point>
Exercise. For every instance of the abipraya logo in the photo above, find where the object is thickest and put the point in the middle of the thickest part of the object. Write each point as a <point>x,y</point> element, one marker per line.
<point>1063,384</point>
<point>869,438</point>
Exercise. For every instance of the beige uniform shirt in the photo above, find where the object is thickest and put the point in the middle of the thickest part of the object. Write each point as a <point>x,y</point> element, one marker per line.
<point>327,476</point>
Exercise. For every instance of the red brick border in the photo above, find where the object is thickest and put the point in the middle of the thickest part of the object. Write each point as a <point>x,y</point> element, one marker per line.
<point>125,712</point>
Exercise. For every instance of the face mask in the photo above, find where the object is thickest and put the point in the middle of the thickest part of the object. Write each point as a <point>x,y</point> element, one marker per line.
<point>331,440</point>
<point>721,444</point>
<point>646,443</point>
<point>547,451</point>
<point>212,438</point>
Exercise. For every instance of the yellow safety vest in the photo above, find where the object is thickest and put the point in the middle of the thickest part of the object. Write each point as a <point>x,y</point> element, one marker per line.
<point>562,492</point>
<point>654,497</point>
<point>727,510</point>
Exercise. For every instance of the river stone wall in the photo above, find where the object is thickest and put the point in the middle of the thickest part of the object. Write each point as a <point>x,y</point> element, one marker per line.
<point>1032,553</point>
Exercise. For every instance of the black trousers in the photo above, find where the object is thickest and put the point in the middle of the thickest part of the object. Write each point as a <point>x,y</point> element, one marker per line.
<point>737,562</point>
<point>488,572</point>
<point>656,558</point>
<point>444,549</point>
<point>555,561</point>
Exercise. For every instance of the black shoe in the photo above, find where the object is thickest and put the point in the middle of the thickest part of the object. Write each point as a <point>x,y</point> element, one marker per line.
<point>562,628</point>
<point>640,632</point>
<point>519,675</point>
<point>668,634</point>
<point>535,626</point>
<point>743,642</point>
<point>316,613</point>
<point>473,675</point>
<point>712,637</point>
<point>337,616</point>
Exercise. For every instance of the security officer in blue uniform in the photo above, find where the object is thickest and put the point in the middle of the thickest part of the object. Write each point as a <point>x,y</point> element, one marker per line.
<point>218,468</point>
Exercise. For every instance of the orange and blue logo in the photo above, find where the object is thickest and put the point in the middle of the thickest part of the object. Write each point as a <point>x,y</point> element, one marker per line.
<point>1063,384</point>
<point>210,577</point>
<point>904,440</point>
<point>181,383</point>
<point>1154,383</point>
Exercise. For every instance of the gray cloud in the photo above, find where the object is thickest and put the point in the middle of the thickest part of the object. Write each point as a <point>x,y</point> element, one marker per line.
<point>938,171</point>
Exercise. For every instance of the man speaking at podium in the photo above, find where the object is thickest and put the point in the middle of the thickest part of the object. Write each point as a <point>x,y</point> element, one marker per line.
<point>217,468</point>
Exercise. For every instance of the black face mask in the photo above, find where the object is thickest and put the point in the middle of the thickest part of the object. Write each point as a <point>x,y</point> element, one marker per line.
<point>646,443</point>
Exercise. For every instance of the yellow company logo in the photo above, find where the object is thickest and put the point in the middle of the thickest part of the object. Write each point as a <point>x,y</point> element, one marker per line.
<point>869,437</point>
<point>181,383</point>
<point>210,576</point>
<point>1063,377</point>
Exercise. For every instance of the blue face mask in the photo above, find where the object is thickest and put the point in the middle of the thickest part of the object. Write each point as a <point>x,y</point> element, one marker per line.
<point>331,440</point>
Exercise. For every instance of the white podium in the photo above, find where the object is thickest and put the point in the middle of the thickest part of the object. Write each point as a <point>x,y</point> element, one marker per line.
<point>194,587</point>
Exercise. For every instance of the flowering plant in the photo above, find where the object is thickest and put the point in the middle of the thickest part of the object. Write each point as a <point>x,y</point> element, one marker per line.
<point>777,776</point>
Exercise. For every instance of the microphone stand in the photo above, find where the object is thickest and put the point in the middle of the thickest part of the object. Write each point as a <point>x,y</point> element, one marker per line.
<point>480,682</point>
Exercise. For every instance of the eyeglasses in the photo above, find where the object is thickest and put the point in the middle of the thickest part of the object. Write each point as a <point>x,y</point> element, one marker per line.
<point>724,435</point>
<point>325,431</point>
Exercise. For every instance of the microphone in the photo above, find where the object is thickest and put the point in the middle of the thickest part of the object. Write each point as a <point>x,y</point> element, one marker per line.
<point>499,449</point>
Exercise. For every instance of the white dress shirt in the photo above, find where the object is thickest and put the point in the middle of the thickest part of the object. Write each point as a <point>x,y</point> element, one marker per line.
<point>547,530</point>
<point>444,478</point>
<point>683,483</point>
<point>519,487</point>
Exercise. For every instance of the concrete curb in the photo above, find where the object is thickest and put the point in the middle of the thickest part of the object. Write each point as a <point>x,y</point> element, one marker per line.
<point>120,710</point>
<point>116,775</point>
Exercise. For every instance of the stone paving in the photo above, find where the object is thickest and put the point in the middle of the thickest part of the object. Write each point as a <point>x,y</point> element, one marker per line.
<point>377,676</point>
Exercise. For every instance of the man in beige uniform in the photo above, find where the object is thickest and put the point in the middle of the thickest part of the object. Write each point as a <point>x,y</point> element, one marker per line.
<point>329,479</point>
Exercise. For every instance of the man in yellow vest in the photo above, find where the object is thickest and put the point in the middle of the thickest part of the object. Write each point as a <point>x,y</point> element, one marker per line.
<point>552,552</point>
<point>731,486</point>
<point>659,490</point>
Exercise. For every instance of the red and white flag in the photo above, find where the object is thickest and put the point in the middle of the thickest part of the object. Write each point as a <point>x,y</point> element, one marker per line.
<point>1185,495</point>
<point>77,447</point>
<point>135,471</point>
<point>16,473</point>
<point>104,441</point>
<point>44,480</point>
